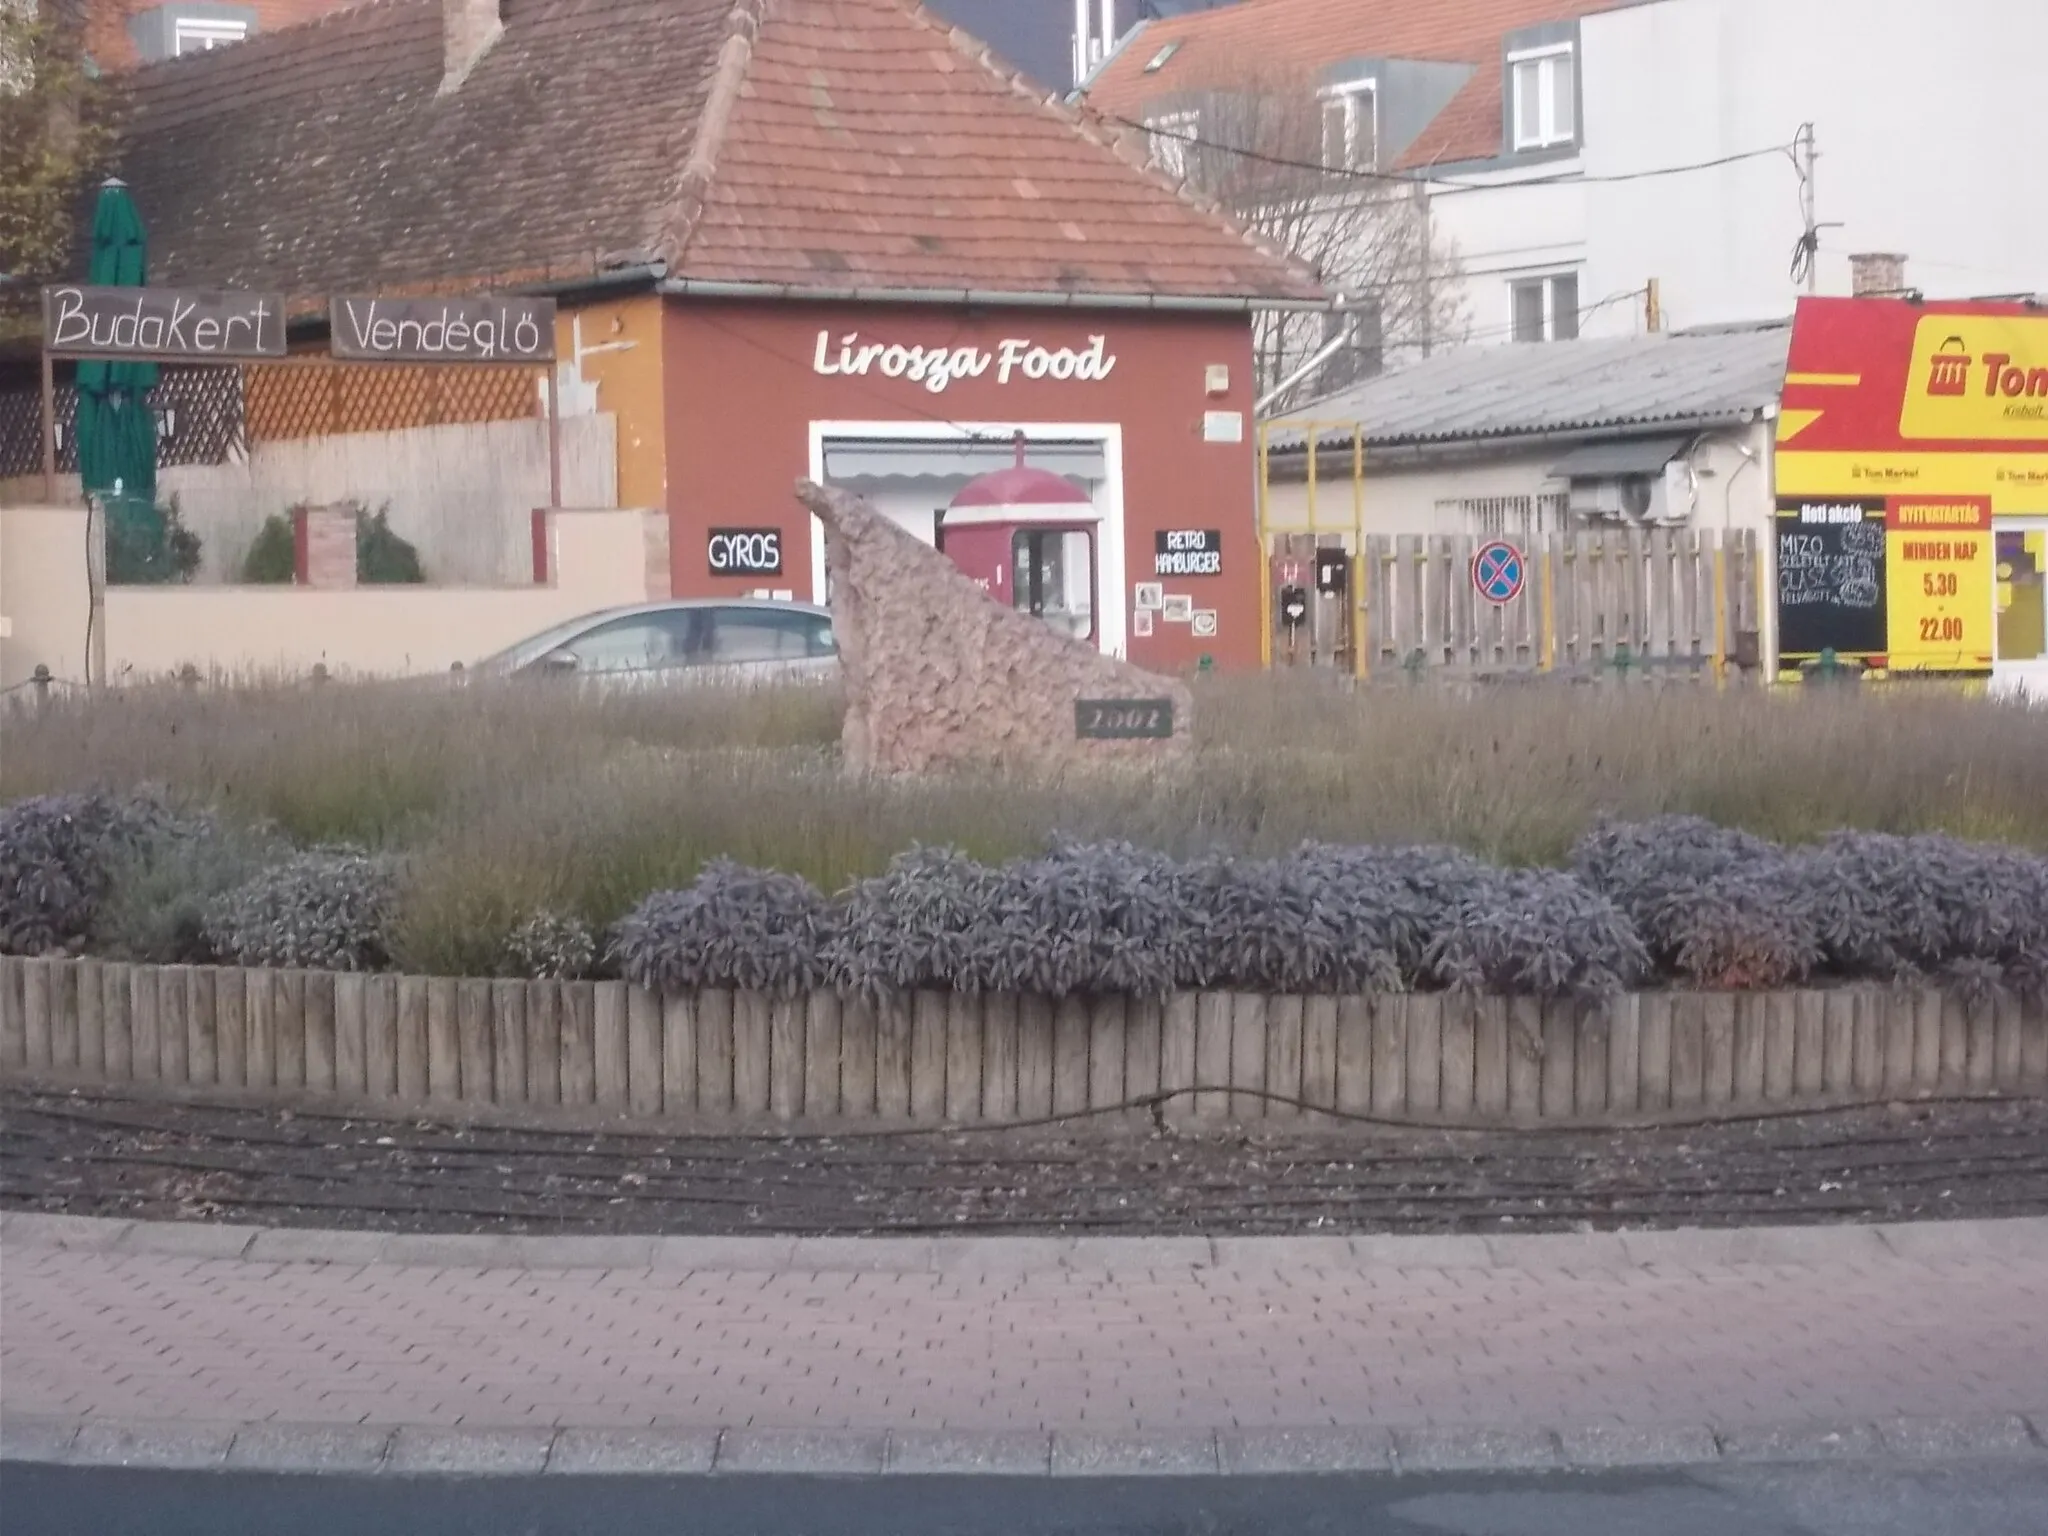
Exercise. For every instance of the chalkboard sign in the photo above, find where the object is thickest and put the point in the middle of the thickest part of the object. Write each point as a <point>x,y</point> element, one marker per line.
<point>1831,578</point>
<point>1123,719</point>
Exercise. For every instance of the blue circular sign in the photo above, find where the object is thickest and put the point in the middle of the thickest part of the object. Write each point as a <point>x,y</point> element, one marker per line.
<point>1497,572</point>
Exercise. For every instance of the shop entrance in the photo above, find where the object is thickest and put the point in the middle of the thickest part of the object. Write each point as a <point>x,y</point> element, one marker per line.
<point>1064,563</point>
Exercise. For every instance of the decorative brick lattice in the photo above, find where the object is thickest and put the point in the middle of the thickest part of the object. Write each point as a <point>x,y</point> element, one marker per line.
<point>292,401</point>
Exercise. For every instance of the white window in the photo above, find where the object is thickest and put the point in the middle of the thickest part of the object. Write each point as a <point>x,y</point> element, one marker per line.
<point>1171,136</point>
<point>1506,517</point>
<point>1545,308</point>
<point>191,35</point>
<point>1351,128</point>
<point>1545,98</point>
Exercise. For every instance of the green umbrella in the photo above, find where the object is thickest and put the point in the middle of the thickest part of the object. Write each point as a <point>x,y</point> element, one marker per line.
<point>116,431</point>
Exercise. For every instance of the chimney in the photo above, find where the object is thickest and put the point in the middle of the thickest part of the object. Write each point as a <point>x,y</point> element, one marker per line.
<point>1877,273</point>
<point>468,28</point>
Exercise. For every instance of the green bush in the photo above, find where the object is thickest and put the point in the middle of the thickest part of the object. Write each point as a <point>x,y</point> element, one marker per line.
<point>383,557</point>
<point>158,892</point>
<point>148,545</point>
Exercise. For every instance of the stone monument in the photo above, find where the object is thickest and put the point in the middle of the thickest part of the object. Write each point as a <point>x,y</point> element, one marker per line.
<point>939,674</point>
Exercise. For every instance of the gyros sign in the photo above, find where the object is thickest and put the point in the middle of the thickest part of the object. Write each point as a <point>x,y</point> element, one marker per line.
<point>746,551</point>
<point>935,367</point>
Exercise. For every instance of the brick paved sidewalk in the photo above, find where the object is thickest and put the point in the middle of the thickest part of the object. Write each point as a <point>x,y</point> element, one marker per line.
<point>101,1321</point>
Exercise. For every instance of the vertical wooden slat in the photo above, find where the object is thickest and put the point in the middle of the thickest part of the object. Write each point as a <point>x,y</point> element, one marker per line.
<point>1560,1066</point>
<point>1809,1044</point>
<point>173,1007</point>
<point>1212,1053</point>
<point>508,1042</point>
<point>1590,1026</point>
<point>1035,1050</point>
<point>1425,1050</point>
<point>444,1041</point>
<point>1389,1054</point>
<point>64,1016</point>
<point>1624,1054</point>
<point>1980,1066</point>
<point>643,1053</point>
<point>1781,1031</point>
<point>2033,1030</point>
<point>1839,1069</point>
<point>786,1055</point>
<point>999,1056</point>
<point>1354,1054</point>
<point>578,1023</point>
<point>351,1034</point>
<point>1247,1054</point>
<point>415,1033</point>
<point>145,1025</point>
<point>714,1051</point>
<point>231,1027</point>
<point>117,1020</point>
<point>892,1058</point>
<point>1490,1052</point>
<point>821,1054</point>
<point>1319,1053</point>
<point>1869,1044</point>
<point>2008,1020</point>
<point>319,1032</point>
<point>1142,1026</point>
<point>753,1033</point>
<point>679,1055</point>
<point>202,1069</point>
<point>857,1047</point>
<point>1717,1031</point>
<point>928,1056</point>
<point>1106,1044</point>
<point>1752,1028</point>
<point>608,1043</point>
<point>380,1037</point>
<point>259,1005</point>
<point>1688,1050</point>
<point>1177,1066</point>
<point>1284,1016</point>
<point>92,1019</point>
<point>1525,1057</point>
<point>1653,1020</point>
<point>1070,1055</point>
<point>13,1025</point>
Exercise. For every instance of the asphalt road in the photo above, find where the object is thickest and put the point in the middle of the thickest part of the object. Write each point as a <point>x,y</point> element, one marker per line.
<point>1873,1498</point>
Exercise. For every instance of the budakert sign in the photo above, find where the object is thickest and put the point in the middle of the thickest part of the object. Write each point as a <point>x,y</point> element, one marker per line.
<point>937,366</point>
<point>464,330</point>
<point>167,324</point>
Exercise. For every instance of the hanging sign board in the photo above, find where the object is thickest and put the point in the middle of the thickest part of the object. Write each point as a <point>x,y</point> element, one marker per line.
<point>1187,552</point>
<point>1906,431</point>
<point>462,330</point>
<point>745,552</point>
<point>162,324</point>
<point>1123,719</point>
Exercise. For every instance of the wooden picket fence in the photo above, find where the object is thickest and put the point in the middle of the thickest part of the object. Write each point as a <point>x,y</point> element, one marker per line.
<point>1622,604</point>
<point>720,1059</point>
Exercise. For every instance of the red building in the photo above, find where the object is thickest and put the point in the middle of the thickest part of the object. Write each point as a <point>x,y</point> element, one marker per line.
<point>837,240</point>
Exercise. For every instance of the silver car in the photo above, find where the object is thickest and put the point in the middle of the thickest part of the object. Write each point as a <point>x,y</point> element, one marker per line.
<point>739,640</point>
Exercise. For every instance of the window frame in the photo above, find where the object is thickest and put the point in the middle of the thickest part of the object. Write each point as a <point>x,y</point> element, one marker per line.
<point>1551,132</point>
<point>1345,96</point>
<point>207,32</point>
<point>1546,284</point>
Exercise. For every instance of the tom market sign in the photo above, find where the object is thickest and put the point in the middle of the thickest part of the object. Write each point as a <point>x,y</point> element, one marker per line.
<point>936,367</point>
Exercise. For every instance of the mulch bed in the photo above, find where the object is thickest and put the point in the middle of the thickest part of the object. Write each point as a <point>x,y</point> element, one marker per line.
<point>93,1153</point>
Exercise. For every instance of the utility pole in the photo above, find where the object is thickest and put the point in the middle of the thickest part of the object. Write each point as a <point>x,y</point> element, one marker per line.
<point>1804,154</point>
<point>1426,279</point>
<point>1653,307</point>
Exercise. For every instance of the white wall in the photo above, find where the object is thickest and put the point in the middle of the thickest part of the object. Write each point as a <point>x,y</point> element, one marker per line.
<point>1509,231</point>
<point>1929,121</point>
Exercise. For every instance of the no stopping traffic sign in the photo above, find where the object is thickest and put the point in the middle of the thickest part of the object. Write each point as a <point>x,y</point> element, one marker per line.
<point>1497,572</point>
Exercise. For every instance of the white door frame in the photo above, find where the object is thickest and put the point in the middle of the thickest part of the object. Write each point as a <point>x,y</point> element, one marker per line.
<point>1111,599</point>
<point>2029,678</point>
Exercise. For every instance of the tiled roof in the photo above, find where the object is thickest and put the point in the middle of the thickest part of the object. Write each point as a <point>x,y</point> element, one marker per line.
<point>1218,48</point>
<point>818,144</point>
<point>1690,378</point>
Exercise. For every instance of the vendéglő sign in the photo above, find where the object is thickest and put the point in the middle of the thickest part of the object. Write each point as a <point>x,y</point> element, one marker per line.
<point>162,324</point>
<point>462,330</point>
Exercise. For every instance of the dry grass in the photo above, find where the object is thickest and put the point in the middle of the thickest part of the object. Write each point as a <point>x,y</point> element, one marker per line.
<point>515,799</point>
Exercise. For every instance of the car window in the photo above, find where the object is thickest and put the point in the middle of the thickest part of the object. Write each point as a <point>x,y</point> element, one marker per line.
<point>640,642</point>
<point>742,635</point>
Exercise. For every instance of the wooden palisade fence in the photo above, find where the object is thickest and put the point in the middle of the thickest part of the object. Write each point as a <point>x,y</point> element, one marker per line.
<point>447,1046</point>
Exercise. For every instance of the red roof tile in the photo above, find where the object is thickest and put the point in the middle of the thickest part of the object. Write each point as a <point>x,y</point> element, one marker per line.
<point>1310,35</point>
<point>818,144</point>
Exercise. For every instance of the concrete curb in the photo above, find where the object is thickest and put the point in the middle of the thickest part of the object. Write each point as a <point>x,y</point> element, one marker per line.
<point>515,1451</point>
<point>1677,1248</point>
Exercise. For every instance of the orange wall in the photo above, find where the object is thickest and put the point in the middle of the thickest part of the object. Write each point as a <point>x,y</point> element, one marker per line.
<point>741,391</point>
<point>620,344</point>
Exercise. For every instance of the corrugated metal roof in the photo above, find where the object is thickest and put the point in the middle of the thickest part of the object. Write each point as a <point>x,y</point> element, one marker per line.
<point>1698,378</point>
